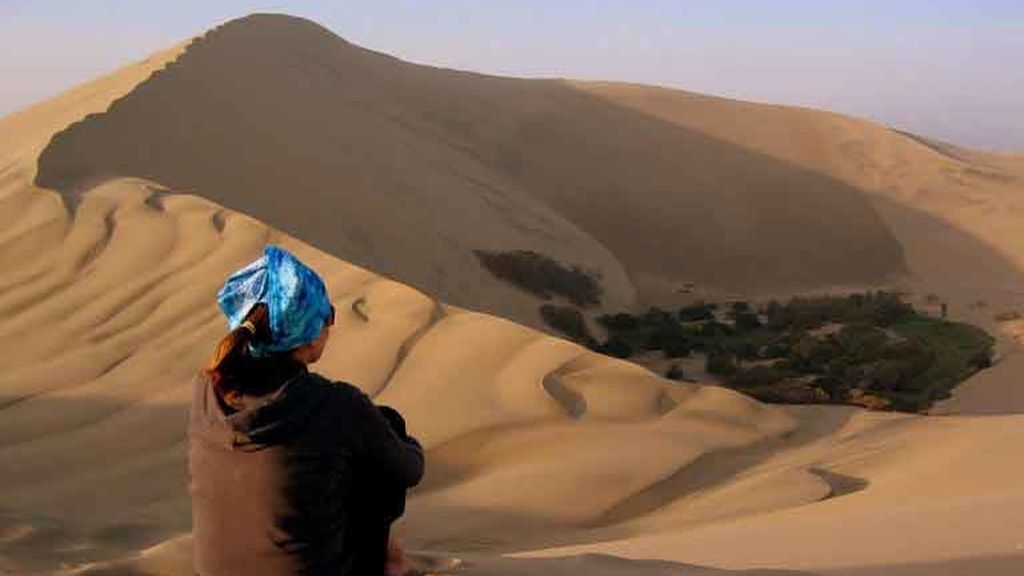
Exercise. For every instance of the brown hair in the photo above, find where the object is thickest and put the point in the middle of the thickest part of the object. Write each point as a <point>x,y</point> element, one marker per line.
<point>231,356</point>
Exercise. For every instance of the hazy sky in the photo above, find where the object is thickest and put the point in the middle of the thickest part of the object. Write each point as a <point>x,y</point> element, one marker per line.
<point>951,69</point>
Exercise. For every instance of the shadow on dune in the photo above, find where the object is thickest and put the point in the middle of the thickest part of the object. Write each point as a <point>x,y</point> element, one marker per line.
<point>601,565</point>
<point>38,544</point>
<point>953,256</point>
<point>840,484</point>
<point>1007,565</point>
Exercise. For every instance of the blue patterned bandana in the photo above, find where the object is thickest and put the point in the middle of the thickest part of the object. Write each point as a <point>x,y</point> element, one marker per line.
<point>296,297</point>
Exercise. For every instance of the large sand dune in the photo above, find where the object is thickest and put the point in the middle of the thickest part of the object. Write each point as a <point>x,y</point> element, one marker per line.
<point>368,156</point>
<point>125,202</point>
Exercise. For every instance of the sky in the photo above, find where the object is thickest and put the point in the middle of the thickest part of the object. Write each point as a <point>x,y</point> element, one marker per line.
<point>948,69</point>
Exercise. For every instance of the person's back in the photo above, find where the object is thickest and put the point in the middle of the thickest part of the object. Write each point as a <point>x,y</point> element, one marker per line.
<point>276,456</point>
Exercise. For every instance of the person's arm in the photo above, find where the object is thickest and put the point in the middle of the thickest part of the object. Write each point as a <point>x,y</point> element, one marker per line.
<point>399,458</point>
<point>395,420</point>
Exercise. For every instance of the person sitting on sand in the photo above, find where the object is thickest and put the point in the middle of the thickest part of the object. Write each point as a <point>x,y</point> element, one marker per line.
<point>289,472</point>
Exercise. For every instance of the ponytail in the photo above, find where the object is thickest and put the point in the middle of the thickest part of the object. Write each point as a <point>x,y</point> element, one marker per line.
<point>232,352</point>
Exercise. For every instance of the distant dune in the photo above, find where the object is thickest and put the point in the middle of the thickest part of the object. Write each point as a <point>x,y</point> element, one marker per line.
<point>954,212</point>
<point>125,202</point>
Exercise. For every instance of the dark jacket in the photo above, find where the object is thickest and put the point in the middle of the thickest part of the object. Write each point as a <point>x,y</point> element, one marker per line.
<point>391,500</point>
<point>274,482</point>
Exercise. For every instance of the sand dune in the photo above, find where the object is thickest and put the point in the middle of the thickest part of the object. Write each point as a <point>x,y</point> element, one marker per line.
<point>653,188</point>
<point>907,493</point>
<point>402,153</point>
<point>125,202</point>
<point>953,211</point>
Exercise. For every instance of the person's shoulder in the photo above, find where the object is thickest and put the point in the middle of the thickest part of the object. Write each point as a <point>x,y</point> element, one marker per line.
<point>337,386</point>
<point>340,410</point>
<point>334,391</point>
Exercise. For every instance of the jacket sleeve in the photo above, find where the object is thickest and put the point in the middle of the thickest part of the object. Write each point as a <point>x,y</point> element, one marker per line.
<point>401,459</point>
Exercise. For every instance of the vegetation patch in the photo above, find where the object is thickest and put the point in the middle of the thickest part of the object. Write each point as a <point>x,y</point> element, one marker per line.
<point>674,372</point>
<point>567,320</point>
<point>544,277</point>
<point>870,349</point>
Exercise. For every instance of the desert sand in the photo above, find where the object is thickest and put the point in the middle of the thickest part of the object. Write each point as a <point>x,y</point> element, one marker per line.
<point>126,202</point>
